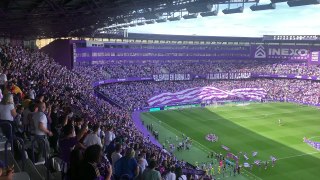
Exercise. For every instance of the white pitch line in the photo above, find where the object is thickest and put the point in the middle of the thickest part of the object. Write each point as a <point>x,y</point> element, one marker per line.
<point>254,116</point>
<point>298,155</point>
<point>205,148</point>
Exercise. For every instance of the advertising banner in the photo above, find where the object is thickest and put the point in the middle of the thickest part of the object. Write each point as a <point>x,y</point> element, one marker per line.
<point>172,77</point>
<point>288,76</point>
<point>285,52</point>
<point>231,75</point>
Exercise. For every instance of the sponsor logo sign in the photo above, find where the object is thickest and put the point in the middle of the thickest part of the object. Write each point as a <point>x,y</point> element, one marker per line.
<point>280,52</point>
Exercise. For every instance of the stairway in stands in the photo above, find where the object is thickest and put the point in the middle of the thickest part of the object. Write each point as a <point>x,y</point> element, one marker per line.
<point>24,168</point>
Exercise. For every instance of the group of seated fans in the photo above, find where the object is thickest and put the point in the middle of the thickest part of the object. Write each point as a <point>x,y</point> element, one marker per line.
<point>45,102</point>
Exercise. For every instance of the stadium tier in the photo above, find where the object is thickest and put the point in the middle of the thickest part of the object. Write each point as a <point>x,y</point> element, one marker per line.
<point>77,109</point>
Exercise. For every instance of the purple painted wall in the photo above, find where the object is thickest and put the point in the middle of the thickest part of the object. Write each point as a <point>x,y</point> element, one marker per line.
<point>61,51</point>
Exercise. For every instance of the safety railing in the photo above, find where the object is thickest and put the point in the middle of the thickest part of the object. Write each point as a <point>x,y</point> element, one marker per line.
<point>42,144</point>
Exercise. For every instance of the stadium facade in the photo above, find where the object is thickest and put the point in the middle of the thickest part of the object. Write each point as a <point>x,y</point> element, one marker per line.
<point>144,48</point>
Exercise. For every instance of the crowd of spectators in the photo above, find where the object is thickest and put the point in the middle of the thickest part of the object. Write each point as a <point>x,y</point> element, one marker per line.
<point>198,68</point>
<point>95,139</point>
<point>134,95</point>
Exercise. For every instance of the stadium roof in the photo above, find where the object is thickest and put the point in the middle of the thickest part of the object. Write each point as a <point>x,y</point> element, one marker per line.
<point>192,38</point>
<point>63,18</point>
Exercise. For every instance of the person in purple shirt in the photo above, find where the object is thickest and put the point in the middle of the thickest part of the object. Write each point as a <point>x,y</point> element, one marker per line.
<point>69,141</point>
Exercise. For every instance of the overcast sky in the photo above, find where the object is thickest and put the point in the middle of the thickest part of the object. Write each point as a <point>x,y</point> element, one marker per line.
<point>304,20</point>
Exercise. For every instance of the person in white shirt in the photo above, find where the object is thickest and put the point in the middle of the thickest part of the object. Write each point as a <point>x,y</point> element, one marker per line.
<point>41,130</point>
<point>7,109</point>
<point>3,80</point>
<point>32,94</point>
<point>93,138</point>
<point>7,113</point>
<point>116,155</point>
<point>142,162</point>
<point>40,121</point>
<point>171,175</point>
<point>109,136</point>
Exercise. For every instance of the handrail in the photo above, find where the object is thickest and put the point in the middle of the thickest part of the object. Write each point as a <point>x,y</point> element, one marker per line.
<point>43,143</point>
<point>23,155</point>
<point>9,139</point>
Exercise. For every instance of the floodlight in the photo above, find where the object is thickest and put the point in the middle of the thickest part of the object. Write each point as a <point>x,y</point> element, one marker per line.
<point>211,13</point>
<point>302,2</point>
<point>161,20</point>
<point>190,16</point>
<point>177,18</point>
<point>257,7</point>
<point>233,11</point>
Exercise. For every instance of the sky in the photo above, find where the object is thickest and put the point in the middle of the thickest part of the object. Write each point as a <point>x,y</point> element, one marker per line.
<point>284,20</point>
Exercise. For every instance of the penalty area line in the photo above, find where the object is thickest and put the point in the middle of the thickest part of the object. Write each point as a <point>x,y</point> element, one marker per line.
<point>305,154</point>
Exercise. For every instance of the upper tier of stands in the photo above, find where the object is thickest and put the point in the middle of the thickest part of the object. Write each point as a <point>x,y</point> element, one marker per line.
<point>147,70</point>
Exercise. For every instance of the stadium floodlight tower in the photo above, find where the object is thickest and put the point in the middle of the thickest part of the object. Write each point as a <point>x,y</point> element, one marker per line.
<point>302,2</point>
<point>257,7</point>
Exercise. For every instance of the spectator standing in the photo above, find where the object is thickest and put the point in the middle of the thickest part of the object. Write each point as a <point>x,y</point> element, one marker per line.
<point>116,154</point>
<point>41,130</point>
<point>127,166</point>
<point>93,137</point>
<point>7,114</point>
<point>89,167</point>
<point>151,173</point>
<point>171,175</point>
<point>109,136</point>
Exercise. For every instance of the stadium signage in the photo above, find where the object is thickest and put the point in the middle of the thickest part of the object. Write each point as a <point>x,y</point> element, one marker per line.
<point>280,52</point>
<point>171,77</point>
<point>232,75</point>
<point>288,52</point>
<point>290,76</point>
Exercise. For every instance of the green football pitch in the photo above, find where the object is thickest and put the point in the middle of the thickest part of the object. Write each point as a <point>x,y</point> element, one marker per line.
<point>245,129</point>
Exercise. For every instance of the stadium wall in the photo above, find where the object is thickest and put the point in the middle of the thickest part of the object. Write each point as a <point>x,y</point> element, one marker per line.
<point>61,51</point>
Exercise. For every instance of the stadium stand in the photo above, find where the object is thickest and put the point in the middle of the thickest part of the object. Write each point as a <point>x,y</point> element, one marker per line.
<point>31,79</point>
<point>42,89</point>
<point>66,111</point>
